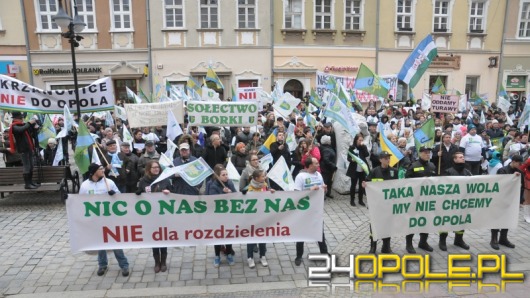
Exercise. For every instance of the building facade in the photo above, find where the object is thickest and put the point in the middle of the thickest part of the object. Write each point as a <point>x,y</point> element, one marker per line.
<point>13,58</point>
<point>515,62</point>
<point>114,44</point>
<point>232,37</point>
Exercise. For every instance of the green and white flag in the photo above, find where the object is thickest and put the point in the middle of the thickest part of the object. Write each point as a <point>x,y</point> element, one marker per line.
<point>360,162</point>
<point>209,94</point>
<point>418,61</point>
<point>281,174</point>
<point>285,105</point>
<point>339,112</point>
<point>47,131</point>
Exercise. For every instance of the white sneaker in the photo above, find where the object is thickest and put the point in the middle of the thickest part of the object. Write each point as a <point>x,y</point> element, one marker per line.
<point>251,263</point>
<point>263,261</point>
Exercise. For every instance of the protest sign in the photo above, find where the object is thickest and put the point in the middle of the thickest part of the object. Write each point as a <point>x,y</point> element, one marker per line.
<point>209,113</point>
<point>444,103</point>
<point>248,93</point>
<point>16,95</point>
<point>99,222</point>
<point>153,114</point>
<point>428,205</point>
<point>347,82</point>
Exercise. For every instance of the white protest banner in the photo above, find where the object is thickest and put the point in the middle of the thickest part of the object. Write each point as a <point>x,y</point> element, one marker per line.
<point>449,203</point>
<point>347,82</point>
<point>444,103</point>
<point>503,104</point>
<point>222,113</point>
<point>16,95</point>
<point>248,93</point>
<point>153,114</point>
<point>98,222</point>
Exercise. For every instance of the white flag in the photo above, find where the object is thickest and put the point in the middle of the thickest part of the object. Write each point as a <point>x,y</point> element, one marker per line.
<point>462,104</point>
<point>265,161</point>
<point>127,137</point>
<point>509,119</point>
<point>281,175</point>
<point>233,174</point>
<point>173,128</point>
<point>482,118</point>
<point>165,161</point>
<point>120,112</point>
<point>131,94</point>
<point>171,147</point>
<point>95,156</point>
<point>59,153</point>
<point>285,105</point>
<point>209,94</point>
<point>425,102</point>
<point>503,104</point>
<point>290,137</point>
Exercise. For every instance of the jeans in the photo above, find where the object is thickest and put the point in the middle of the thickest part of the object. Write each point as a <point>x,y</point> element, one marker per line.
<point>262,249</point>
<point>118,253</point>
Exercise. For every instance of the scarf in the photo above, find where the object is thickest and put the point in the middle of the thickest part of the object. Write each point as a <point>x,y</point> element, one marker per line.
<point>257,186</point>
<point>12,138</point>
<point>251,169</point>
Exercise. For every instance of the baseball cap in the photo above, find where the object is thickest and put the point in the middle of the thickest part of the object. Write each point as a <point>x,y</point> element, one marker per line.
<point>149,143</point>
<point>384,154</point>
<point>125,144</point>
<point>425,148</point>
<point>184,146</point>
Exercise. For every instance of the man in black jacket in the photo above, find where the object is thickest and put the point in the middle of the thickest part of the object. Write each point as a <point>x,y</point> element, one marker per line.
<point>420,168</point>
<point>512,168</point>
<point>446,154</point>
<point>458,169</point>
<point>21,138</point>
<point>327,163</point>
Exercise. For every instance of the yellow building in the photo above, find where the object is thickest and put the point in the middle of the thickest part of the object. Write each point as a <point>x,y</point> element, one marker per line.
<point>13,58</point>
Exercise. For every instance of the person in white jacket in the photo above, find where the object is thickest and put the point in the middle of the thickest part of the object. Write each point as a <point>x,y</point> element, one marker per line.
<point>97,184</point>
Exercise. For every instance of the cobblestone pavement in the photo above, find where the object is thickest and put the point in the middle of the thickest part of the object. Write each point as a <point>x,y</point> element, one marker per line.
<point>35,261</point>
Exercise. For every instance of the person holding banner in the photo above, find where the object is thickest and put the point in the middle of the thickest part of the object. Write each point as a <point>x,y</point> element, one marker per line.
<point>458,169</point>
<point>152,172</point>
<point>354,171</point>
<point>378,174</point>
<point>420,168</point>
<point>512,168</point>
<point>22,141</point>
<point>180,186</point>
<point>221,185</point>
<point>97,184</point>
<point>258,183</point>
<point>310,179</point>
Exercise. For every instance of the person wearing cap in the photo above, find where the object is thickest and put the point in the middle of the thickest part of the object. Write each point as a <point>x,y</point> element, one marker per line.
<point>458,169</point>
<point>180,186</point>
<point>10,159</point>
<point>378,174</point>
<point>511,169</point>
<point>21,140</point>
<point>50,151</point>
<point>420,168</point>
<point>495,131</point>
<point>97,184</point>
<point>150,154</point>
<point>129,170</point>
<point>472,147</point>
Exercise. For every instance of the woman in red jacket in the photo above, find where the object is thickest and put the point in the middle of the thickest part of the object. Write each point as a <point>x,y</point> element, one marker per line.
<point>525,168</point>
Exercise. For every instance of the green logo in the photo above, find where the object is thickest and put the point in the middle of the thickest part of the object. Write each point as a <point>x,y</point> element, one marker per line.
<point>285,106</point>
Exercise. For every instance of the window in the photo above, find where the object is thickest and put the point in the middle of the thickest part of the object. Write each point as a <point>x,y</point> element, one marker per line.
<point>46,9</point>
<point>477,17</point>
<point>246,14</point>
<point>404,15</point>
<point>293,14</point>
<point>120,89</point>
<point>174,13</point>
<point>121,14</point>
<point>524,21</point>
<point>209,14</point>
<point>323,14</point>
<point>352,15</point>
<point>85,9</point>
<point>441,15</point>
<point>471,85</point>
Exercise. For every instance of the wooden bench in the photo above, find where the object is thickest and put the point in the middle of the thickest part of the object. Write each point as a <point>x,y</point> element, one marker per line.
<point>51,179</point>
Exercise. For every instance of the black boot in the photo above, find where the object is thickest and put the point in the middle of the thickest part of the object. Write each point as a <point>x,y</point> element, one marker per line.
<point>459,240</point>
<point>27,181</point>
<point>36,184</point>
<point>410,249</point>
<point>352,202</point>
<point>386,246</point>
<point>441,244</point>
<point>361,202</point>
<point>157,262</point>
<point>423,242</point>
<point>373,246</point>
<point>503,240</point>
<point>494,242</point>
<point>163,258</point>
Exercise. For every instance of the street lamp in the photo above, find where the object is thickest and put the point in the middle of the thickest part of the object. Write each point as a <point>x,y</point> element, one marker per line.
<point>72,27</point>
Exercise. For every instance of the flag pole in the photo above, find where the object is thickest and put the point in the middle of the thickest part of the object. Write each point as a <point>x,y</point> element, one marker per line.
<point>440,157</point>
